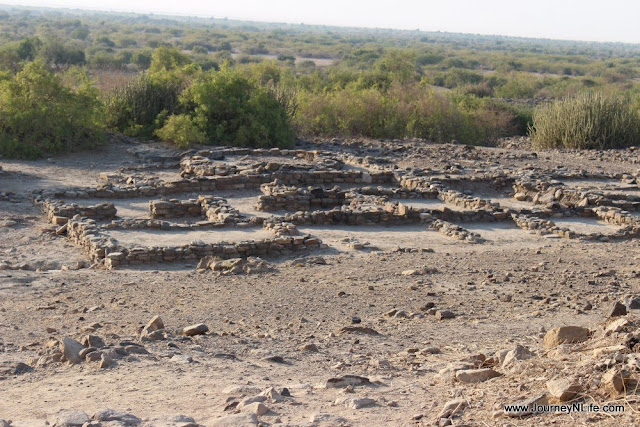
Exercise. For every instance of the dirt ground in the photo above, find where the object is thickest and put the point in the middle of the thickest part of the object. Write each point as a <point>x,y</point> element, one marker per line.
<point>507,291</point>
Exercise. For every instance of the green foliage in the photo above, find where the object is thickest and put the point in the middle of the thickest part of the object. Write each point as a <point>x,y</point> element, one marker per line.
<point>230,109</point>
<point>588,120</point>
<point>455,77</point>
<point>40,115</point>
<point>134,108</point>
<point>403,111</point>
<point>56,53</point>
<point>182,131</point>
<point>142,59</point>
<point>166,59</point>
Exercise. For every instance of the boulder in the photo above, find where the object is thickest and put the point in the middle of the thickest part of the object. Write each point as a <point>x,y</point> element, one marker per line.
<point>112,415</point>
<point>566,335</point>
<point>239,420</point>
<point>193,330</point>
<point>615,380</point>
<point>476,375</point>
<point>563,389</point>
<point>70,419</point>
<point>71,350</point>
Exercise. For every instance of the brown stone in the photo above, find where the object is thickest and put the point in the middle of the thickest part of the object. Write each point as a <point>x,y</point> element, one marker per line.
<point>566,335</point>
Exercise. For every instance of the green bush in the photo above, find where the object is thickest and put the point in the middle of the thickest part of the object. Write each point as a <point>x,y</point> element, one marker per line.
<point>40,115</point>
<point>228,108</point>
<point>167,59</point>
<point>588,120</point>
<point>134,108</point>
<point>181,131</point>
<point>403,111</point>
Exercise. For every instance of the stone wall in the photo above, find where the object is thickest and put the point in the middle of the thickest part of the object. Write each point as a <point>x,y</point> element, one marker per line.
<point>277,246</point>
<point>172,208</point>
<point>204,185</point>
<point>546,193</point>
<point>280,197</point>
<point>456,232</point>
<point>59,212</point>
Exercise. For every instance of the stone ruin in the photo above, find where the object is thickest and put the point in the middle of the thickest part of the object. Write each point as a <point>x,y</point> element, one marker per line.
<point>301,188</point>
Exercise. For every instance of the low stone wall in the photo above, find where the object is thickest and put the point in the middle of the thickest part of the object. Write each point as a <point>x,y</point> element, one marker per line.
<point>86,234</point>
<point>59,212</point>
<point>546,193</point>
<point>204,185</point>
<point>280,197</point>
<point>277,246</point>
<point>172,208</point>
<point>218,209</point>
<point>455,231</point>
<point>457,198</point>
<point>400,193</point>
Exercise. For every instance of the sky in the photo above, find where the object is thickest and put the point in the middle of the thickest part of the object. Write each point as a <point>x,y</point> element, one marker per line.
<point>592,20</point>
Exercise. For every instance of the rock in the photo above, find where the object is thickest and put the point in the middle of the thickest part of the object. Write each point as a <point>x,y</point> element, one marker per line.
<point>610,349</point>
<point>171,421</point>
<point>521,197</point>
<point>193,330</point>
<point>329,419</point>
<point>309,347</point>
<point>105,360</point>
<point>356,403</point>
<point>4,423</point>
<point>155,324</point>
<point>476,375</point>
<point>360,330</point>
<point>453,407</point>
<point>565,335</point>
<point>21,368</point>
<point>257,408</point>
<point>71,350</point>
<point>182,358</point>
<point>239,420</point>
<point>158,335</point>
<point>70,418</point>
<point>617,326</point>
<point>285,392</point>
<point>274,359</point>
<point>430,350</point>
<point>444,314</point>
<point>618,309</point>
<point>410,273</point>
<point>615,380</point>
<point>519,353</point>
<point>634,304</point>
<point>347,380</point>
<point>112,415</point>
<point>240,389</point>
<point>253,399</point>
<point>93,341</point>
<point>563,389</point>
<point>273,395</point>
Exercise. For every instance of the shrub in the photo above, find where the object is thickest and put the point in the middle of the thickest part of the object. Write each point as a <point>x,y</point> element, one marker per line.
<point>40,115</point>
<point>182,131</point>
<point>403,111</point>
<point>134,108</point>
<point>230,109</point>
<point>166,59</point>
<point>588,120</point>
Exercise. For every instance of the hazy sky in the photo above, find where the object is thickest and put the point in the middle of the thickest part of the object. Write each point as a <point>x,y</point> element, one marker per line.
<point>600,20</point>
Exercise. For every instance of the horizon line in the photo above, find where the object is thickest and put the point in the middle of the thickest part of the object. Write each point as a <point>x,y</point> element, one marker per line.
<point>301,24</point>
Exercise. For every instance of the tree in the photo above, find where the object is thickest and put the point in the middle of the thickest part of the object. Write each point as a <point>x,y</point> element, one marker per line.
<point>229,108</point>
<point>40,115</point>
<point>166,59</point>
